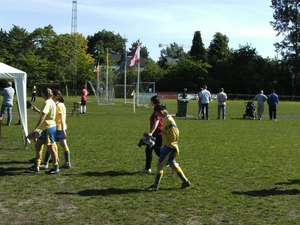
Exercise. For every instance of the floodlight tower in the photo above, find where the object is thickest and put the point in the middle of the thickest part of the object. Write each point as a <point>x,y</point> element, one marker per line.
<point>74,17</point>
<point>73,52</point>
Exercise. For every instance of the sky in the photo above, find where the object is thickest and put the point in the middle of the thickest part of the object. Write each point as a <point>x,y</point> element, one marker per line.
<point>152,21</point>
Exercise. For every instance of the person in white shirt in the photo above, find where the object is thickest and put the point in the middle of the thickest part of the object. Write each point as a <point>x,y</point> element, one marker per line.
<point>260,98</point>
<point>222,97</point>
<point>7,104</point>
<point>205,98</point>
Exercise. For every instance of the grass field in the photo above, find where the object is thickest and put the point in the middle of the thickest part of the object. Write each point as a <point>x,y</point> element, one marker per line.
<point>242,171</point>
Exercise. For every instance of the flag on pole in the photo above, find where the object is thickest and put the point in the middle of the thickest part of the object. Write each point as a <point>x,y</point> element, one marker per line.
<point>125,63</point>
<point>97,69</point>
<point>135,59</point>
<point>107,57</point>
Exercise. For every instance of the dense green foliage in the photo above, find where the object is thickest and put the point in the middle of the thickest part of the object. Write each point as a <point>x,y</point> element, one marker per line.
<point>242,171</point>
<point>70,59</point>
<point>286,22</point>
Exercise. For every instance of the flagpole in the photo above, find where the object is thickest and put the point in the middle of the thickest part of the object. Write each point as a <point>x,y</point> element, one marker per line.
<point>135,60</point>
<point>133,96</point>
<point>138,78</point>
<point>98,72</point>
<point>138,87</point>
<point>125,65</point>
<point>107,74</point>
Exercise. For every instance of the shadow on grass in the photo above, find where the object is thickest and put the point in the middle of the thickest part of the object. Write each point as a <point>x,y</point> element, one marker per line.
<point>110,173</point>
<point>267,192</point>
<point>11,171</point>
<point>111,191</point>
<point>10,148</point>
<point>289,182</point>
<point>13,162</point>
<point>237,118</point>
<point>103,192</point>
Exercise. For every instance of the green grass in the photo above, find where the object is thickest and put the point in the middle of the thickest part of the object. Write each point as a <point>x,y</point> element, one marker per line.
<point>242,171</point>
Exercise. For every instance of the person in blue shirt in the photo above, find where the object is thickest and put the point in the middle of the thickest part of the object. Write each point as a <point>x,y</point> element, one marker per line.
<point>205,98</point>
<point>273,101</point>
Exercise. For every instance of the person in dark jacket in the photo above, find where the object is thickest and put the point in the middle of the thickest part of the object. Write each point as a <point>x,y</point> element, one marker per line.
<point>273,101</point>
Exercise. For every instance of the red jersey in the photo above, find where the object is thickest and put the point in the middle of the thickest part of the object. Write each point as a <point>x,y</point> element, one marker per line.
<point>84,94</point>
<point>160,124</point>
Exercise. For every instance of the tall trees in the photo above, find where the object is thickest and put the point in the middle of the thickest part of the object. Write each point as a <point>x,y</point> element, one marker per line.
<point>18,44</point>
<point>5,42</point>
<point>101,40</point>
<point>44,55</point>
<point>198,50</point>
<point>287,23</point>
<point>174,51</point>
<point>219,56</point>
<point>218,50</point>
<point>245,76</point>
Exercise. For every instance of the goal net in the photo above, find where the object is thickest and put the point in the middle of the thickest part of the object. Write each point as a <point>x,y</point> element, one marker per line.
<point>103,96</point>
<point>146,91</point>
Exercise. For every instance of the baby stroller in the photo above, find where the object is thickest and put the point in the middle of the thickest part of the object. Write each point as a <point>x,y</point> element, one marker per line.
<point>250,110</point>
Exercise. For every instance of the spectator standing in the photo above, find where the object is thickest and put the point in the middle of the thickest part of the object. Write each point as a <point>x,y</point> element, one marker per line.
<point>222,97</point>
<point>273,101</point>
<point>260,98</point>
<point>33,94</point>
<point>184,96</point>
<point>205,98</point>
<point>156,125</point>
<point>200,115</point>
<point>7,104</point>
<point>84,98</point>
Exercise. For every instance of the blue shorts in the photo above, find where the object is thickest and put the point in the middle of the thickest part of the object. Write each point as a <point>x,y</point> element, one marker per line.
<point>48,136</point>
<point>167,155</point>
<point>59,136</point>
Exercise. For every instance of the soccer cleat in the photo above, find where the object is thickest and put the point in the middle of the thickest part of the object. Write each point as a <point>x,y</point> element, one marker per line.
<point>34,168</point>
<point>52,171</point>
<point>185,184</point>
<point>66,165</point>
<point>152,188</point>
<point>144,171</point>
<point>43,166</point>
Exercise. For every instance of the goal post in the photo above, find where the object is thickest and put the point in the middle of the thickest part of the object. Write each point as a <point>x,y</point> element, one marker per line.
<point>146,91</point>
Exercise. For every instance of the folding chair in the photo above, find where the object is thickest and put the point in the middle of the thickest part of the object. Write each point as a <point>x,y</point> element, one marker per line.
<point>76,108</point>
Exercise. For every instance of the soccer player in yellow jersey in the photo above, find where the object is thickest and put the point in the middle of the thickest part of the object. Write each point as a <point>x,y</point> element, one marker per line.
<point>169,151</point>
<point>61,127</point>
<point>47,124</point>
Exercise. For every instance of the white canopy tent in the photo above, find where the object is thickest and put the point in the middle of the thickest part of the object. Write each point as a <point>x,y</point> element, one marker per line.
<point>20,79</point>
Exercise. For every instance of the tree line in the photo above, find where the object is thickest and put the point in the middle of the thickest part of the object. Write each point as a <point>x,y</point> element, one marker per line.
<point>48,57</point>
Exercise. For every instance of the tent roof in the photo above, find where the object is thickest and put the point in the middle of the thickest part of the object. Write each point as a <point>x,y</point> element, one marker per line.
<point>8,71</point>
<point>20,79</point>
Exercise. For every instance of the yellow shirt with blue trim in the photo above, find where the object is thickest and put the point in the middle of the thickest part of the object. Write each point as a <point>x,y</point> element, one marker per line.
<point>170,134</point>
<point>49,108</point>
<point>60,113</point>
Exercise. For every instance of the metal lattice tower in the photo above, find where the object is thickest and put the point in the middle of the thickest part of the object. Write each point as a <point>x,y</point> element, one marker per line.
<point>74,47</point>
<point>74,17</point>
